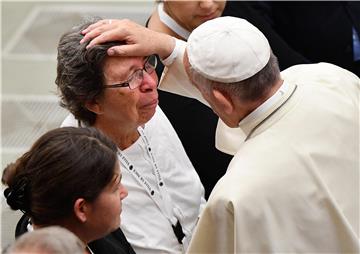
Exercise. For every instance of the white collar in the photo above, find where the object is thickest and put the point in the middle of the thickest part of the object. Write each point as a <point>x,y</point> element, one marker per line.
<point>171,23</point>
<point>266,105</point>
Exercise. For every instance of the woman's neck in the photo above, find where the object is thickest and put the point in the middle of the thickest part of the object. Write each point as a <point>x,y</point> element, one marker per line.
<point>123,137</point>
<point>124,140</point>
<point>156,24</point>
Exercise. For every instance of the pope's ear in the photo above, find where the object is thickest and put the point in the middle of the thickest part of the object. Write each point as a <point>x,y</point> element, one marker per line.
<point>223,101</point>
<point>94,106</point>
<point>81,209</point>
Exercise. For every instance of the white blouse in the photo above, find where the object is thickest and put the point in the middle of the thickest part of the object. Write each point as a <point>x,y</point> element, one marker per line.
<point>145,226</point>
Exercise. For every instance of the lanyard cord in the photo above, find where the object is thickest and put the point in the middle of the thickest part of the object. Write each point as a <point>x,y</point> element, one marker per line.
<point>161,196</point>
<point>166,207</point>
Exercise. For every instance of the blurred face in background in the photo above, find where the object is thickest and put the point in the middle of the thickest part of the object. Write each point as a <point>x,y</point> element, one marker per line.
<point>191,14</point>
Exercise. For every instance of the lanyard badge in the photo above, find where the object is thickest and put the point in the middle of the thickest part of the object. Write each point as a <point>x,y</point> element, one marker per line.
<point>162,200</point>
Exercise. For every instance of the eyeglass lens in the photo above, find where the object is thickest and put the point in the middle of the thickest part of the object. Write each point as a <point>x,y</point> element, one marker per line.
<point>138,75</point>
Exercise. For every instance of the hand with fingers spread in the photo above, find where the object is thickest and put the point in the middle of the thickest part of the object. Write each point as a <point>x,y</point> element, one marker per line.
<point>139,41</point>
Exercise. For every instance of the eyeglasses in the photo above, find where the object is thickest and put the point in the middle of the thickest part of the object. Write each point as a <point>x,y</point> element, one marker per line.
<point>137,77</point>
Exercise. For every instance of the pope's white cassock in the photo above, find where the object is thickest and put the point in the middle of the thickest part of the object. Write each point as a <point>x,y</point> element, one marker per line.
<point>293,184</point>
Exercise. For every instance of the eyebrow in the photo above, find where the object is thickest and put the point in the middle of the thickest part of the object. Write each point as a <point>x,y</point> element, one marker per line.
<point>132,69</point>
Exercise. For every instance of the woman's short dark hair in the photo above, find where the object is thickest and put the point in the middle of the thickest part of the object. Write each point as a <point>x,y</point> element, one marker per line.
<point>80,72</point>
<point>63,165</point>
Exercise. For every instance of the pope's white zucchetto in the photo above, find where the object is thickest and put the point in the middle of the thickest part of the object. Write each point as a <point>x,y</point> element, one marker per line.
<point>227,49</point>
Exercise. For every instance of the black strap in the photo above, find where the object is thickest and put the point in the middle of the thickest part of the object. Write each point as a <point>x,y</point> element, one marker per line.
<point>21,226</point>
<point>113,243</point>
<point>178,232</point>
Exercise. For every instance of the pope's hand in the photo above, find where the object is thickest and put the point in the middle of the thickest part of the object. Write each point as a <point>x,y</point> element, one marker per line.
<point>136,39</point>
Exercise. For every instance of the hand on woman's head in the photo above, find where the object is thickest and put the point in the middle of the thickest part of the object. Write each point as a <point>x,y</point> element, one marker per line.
<point>139,40</point>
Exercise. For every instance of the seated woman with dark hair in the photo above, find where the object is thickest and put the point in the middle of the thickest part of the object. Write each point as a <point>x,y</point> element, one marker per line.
<point>71,178</point>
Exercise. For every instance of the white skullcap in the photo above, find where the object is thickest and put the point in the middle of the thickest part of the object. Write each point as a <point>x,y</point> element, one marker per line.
<point>227,49</point>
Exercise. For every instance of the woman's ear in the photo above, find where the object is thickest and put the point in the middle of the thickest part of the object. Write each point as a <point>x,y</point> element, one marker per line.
<point>94,106</point>
<point>223,100</point>
<point>81,209</point>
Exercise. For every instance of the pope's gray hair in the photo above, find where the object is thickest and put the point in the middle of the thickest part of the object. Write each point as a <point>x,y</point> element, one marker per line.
<point>249,90</point>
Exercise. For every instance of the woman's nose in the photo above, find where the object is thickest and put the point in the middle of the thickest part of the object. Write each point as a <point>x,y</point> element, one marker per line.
<point>149,82</point>
<point>123,192</point>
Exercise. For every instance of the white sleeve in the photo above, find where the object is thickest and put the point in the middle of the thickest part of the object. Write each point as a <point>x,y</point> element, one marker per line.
<point>174,78</point>
<point>176,51</point>
<point>70,121</point>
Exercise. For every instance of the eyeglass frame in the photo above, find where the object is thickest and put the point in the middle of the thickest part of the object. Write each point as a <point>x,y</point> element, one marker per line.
<point>133,75</point>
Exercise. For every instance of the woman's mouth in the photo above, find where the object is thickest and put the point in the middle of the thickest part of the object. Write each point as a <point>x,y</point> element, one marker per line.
<point>209,16</point>
<point>152,104</point>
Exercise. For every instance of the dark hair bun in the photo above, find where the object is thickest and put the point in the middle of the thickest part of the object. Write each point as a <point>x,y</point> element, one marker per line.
<point>17,197</point>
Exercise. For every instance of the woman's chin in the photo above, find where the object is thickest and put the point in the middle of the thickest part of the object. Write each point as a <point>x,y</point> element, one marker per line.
<point>146,116</point>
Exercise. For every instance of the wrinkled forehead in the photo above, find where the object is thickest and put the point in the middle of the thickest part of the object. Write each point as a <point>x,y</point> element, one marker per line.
<point>119,68</point>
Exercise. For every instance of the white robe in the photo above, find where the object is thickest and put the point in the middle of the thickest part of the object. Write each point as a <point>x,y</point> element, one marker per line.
<point>293,184</point>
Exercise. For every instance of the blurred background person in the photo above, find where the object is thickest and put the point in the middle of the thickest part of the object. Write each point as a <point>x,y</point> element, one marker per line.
<point>48,240</point>
<point>71,178</point>
<point>118,95</point>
